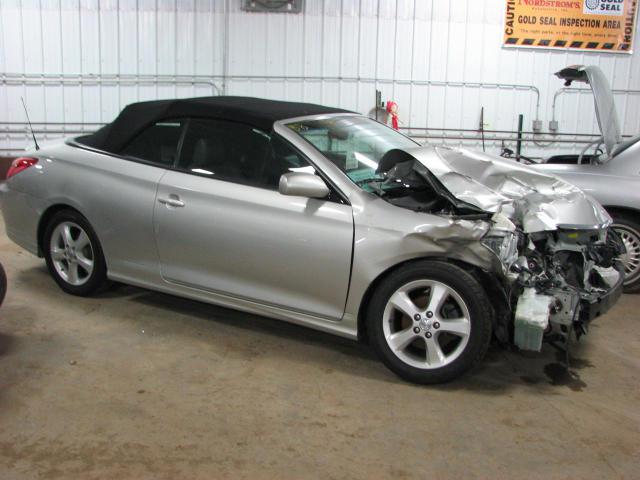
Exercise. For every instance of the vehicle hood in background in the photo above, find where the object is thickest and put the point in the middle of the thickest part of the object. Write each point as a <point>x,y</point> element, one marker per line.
<point>603,97</point>
<point>532,200</point>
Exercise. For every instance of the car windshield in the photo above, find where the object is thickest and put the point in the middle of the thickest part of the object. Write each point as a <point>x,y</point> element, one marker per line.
<point>354,143</point>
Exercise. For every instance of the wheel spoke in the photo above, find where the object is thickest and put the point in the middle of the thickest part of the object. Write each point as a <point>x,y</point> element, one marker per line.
<point>66,236</point>
<point>402,302</point>
<point>459,326</point>
<point>400,340</point>
<point>72,273</point>
<point>85,263</point>
<point>435,356</point>
<point>438,295</point>
<point>82,240</point>
<point>57,254</point>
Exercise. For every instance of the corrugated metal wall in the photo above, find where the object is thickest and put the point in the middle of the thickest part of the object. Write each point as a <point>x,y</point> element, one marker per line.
<point>439,60</point>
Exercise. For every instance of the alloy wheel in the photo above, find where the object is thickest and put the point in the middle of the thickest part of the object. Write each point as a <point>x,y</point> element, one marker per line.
<point>426,324</point>
<point>72,253</point>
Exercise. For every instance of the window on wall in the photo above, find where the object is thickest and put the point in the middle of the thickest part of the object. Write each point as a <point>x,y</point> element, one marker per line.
<point>157,144</point>
<point>238,153</point>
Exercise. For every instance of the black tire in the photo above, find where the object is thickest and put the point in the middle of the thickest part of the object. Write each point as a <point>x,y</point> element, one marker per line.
<point>98,276</point>
<point>629,230</point>
<point>3,284</point>
<point>466,287</point>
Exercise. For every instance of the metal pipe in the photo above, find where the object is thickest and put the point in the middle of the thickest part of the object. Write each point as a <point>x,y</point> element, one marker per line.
<point>409,129</point>
<point>55,123</point>
<point>466,138</point>
<point>563,90</point>
<point>9,151</point>
<point>225,47</point>
<point>46,131</point>
<point>512,138</point>
<point>82,79</point>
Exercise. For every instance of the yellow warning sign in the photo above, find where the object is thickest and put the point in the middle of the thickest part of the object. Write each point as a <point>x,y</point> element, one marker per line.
<point>603,25</point>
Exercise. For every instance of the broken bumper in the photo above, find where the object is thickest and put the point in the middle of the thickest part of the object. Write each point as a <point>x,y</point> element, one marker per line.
<point>595,307</point>
<point>555,313</point>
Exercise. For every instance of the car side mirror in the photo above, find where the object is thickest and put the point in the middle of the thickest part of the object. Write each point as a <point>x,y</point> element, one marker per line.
<point>303,185</point>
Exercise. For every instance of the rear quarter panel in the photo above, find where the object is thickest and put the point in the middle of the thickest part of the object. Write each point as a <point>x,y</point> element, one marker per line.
<point>114,194</point>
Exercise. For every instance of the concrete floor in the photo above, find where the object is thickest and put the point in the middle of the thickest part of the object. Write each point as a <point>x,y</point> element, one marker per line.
<point>136,384</point>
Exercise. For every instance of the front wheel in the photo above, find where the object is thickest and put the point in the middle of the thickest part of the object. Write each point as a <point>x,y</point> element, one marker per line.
<point>429,322</point>
<point>73,254</point>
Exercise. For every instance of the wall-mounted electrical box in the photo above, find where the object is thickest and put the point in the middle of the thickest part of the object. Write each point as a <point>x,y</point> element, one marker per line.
<point>537,126</point>
<point>273,6</point>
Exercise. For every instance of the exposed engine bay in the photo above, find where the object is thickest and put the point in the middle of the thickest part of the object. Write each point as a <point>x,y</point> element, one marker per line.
<point>556,251</point>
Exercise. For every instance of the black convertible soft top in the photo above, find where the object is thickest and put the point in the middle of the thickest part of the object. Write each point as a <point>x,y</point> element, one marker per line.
<point>257,112</point>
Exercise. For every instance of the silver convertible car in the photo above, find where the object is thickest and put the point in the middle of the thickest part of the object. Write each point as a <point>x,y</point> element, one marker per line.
<point>324,218</point>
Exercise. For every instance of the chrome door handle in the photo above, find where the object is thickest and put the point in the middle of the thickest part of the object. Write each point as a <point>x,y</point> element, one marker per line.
<point>172,202</point>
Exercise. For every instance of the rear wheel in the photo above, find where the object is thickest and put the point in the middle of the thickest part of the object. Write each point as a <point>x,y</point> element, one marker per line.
<point>430,322</point>
<point>73,254</point>
<point>629,231</point>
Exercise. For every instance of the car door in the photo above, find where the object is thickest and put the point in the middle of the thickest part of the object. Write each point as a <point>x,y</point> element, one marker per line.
<point>222,226</point>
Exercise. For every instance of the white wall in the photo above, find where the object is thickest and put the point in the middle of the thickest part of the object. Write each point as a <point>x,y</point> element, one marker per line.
<point>342,49</point>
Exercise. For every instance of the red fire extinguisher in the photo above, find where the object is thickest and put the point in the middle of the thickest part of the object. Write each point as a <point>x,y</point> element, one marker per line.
<point>392,109</point>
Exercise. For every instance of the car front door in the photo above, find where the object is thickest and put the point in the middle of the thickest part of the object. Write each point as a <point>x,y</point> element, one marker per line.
<point>222,226</point>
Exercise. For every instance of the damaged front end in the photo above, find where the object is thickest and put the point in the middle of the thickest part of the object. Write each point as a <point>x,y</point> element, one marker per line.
<point>556,255</point>
<point>561,281</point>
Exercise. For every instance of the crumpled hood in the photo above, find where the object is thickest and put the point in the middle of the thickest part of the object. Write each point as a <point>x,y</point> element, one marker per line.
<point>533,200</point>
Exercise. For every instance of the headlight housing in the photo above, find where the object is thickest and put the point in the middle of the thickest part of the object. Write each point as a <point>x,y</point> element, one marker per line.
<point>504,245</point>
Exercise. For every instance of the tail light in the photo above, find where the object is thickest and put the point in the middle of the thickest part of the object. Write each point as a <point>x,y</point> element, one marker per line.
<point>20,164</point>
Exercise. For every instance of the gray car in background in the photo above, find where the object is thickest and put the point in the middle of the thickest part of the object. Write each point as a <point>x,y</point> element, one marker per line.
<point>324,218</point>
<point>611,174</point>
